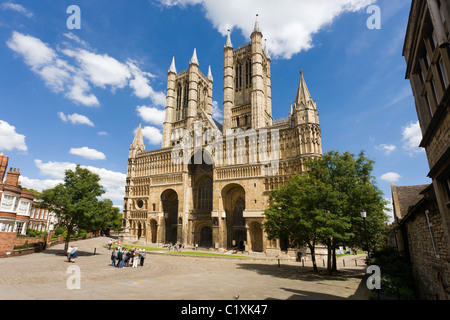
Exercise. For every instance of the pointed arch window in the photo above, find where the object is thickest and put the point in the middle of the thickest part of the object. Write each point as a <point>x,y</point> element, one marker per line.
<point>205,191</point>
<point>239,212</point>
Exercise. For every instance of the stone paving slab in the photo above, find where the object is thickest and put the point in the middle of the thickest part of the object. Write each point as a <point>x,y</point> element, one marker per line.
<point>44,276</point>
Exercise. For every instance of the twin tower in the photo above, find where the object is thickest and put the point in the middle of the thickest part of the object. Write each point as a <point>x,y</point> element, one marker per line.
<point>247,97</point>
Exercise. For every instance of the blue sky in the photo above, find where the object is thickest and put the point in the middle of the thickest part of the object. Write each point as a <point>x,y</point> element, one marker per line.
<point>76,96</point>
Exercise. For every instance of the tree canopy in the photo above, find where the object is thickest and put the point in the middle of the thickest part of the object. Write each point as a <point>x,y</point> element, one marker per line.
<point>323,205</point>
<point>76,202</point>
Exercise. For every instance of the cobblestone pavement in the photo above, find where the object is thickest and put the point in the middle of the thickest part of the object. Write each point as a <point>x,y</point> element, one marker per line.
<point>47,275</point>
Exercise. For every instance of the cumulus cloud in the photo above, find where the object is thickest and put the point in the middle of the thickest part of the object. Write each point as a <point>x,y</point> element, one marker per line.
<point>411,137</point>
<point>288,25</point>
<point>10,139</point>
<point>75,71</point>
<point>112,181</point>
<point>152,134</point>
<point>75,119</point>
<point>88,153</point>
<point>152,115</point>
<point>390,177</point>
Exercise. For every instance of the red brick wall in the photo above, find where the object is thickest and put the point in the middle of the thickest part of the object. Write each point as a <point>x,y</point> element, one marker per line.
<point>7,242</point>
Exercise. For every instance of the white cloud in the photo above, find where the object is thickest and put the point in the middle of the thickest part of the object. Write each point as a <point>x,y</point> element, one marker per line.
<point>10,139</point>
<point>75,119</point>
<point>387,148</point>
<point>16,7</point>
<point>112,181</point>
<point>38,184</point>
<point>152,134</point>
<point>85,70</point>
<point>288,25</point>
<point>217,114</point>
<point>411,137</point>
<point>152,115</point>
<point>88,153</point>
<point>390,177</point>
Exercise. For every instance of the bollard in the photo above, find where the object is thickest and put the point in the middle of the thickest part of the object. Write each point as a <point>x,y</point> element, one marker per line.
<point>356,262</point>
<point>303,263</point>
<point>278,263</point>
<point>343,261</point>
<point>95,249</point>
<point>323,260</point>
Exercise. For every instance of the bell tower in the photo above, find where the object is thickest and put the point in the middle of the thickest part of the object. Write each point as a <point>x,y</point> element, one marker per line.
<point>247,84</point>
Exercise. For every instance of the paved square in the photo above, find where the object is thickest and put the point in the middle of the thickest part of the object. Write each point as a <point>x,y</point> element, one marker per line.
<point>170,277</point>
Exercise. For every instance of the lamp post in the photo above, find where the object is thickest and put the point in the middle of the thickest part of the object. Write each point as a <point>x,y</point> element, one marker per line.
<point>364,215</point>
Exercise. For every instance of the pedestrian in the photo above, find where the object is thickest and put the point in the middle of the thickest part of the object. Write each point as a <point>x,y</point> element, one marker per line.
<point>120,259</point>
<point>110,243</point>
<point>113,257</point>
<point>142,257</point>
<point>299,256</point>
<point>135,258</point>
<point>196,246</point>
<point>127,258</point>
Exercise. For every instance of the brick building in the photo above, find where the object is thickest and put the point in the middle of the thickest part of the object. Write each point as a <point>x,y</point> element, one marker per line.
<point>427,54</point>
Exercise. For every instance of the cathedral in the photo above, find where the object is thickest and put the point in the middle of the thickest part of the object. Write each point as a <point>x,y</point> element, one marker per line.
<point>210,183</point>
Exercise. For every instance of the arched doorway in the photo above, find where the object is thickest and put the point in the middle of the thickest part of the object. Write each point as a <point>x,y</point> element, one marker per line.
<point>169,200</point>
<point>256,237</point>
<point>233,197</point>
<point>153,231</point>
<point>206,237</point>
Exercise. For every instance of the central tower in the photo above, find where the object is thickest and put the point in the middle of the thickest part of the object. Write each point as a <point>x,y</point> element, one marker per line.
<point>247,99</point>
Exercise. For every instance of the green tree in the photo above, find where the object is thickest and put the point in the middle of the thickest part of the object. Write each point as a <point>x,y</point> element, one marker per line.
<point>323,205</point>
<point>75,202</point>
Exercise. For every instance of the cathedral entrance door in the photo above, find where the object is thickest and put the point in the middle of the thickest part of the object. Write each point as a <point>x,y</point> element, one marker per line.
<point>206,237</point>
<point>169,199</point>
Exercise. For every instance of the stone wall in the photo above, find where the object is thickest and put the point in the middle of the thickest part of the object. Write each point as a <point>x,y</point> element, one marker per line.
<point>429,257</point>
<point>7,243</point>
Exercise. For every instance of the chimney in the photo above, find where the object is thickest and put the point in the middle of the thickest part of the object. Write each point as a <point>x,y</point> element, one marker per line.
<point>12,177</point>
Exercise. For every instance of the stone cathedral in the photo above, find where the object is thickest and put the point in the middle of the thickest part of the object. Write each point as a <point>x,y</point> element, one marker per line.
<point>209,184</point>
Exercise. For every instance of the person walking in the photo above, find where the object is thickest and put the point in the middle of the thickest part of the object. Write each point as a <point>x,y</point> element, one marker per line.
<point>110,243</point>
<point>142,257</point>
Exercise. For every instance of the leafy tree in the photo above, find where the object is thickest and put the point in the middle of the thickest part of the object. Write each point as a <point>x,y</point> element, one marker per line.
<point>75,202</point>
<point>323,205</point>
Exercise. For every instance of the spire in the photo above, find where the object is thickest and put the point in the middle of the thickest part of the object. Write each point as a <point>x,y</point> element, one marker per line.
<point>210,77</point>
<point>303,95</point>
<point>138,142</point>
<point>194,59</point>
<point>172,66</point>
<point>257,28</point>
<point>228,44</point>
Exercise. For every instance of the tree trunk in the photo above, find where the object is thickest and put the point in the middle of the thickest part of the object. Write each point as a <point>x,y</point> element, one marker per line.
<point>334,259</point>
<point>313,256</point>
<point>329,269</point>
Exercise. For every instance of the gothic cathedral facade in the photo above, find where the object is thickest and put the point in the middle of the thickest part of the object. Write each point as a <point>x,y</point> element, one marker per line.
<point>210,183</point>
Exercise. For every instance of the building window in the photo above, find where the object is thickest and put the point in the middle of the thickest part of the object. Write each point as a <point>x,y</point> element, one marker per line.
<point>431,229</point>
<point>205,195</point>
<point>443,73</point>
<point>239,212</point>
<point>238,84</point>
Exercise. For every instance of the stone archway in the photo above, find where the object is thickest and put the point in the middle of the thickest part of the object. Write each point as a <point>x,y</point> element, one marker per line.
<point>205,237</point>
<point>153,231</point>
<point>256,237</point>
<point>233,198</point>
<point>169,200</point>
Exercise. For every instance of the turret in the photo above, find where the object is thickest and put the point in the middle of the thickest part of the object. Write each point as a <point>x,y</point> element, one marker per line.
<point>228,89</point>
<point>193,89</point>
<point>170,104</point>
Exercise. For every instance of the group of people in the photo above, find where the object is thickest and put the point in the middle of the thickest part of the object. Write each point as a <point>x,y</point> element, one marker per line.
<point>72,253</point>
<point>122,257</point>
<point>176,247</point>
